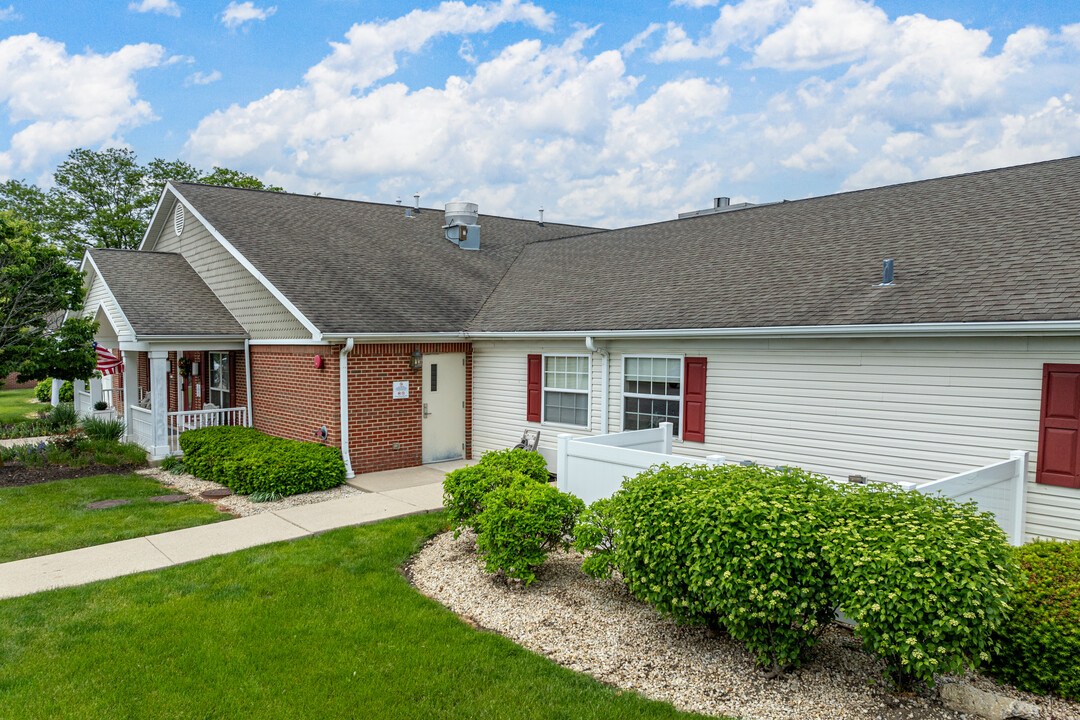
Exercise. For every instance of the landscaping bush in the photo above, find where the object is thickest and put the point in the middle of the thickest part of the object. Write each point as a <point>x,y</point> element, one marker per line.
<point>464,489</point>
<point>74,449</point>
<point>927,579</point>
<point>173,464</point>
<point>1039,645</point>
<point>62,417</point>
<point>249,461</point>
<point>103,428</point>
<point>518,461</point>
<point>43,391</point>
<point>735,547</point>
<point>596,536</point>
<point>521,523</point>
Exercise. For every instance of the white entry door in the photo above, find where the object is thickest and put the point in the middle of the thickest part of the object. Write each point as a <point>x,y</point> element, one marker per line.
<point>444,407</point>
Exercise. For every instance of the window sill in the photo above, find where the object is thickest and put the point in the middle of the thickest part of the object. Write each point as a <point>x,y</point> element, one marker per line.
<point>545,423</point>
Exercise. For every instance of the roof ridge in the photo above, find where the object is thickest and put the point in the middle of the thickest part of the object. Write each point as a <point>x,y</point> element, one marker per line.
<point>369,202</point>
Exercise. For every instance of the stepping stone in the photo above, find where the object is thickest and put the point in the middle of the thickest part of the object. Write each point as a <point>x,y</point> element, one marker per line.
<point>167,498</point>
<point>102,504</point>
<point>216,493</point>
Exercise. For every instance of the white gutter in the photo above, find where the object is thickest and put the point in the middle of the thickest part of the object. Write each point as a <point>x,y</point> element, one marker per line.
<point>591,345</point>
<point>403,337</point>
<point>247,376</point>
<point>1038,327</point>
<point>343,366</point>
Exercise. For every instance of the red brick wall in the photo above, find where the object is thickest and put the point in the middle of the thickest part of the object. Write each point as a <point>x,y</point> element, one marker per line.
<point>292,399</point>
<point>11,382</point>
<point>377,420</point>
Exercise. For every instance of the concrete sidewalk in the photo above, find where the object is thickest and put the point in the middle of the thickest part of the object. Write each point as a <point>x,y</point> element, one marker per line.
<point>390,494</point>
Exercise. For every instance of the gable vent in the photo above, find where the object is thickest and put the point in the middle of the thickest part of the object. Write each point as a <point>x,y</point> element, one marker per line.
<point>178,219</point>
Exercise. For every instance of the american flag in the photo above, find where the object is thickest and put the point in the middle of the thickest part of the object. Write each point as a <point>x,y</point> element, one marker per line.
<point>107,363</point>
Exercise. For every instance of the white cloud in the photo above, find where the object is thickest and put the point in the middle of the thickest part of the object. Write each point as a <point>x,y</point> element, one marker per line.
<point>63,101</point>
<point>236,14</point>
<point>201,78</point>
<point>825,33</point>
<point>695,3</point>
<point>165,7</point>
<point>8,14</point>
<point>743,22</point>
<point>1071,33</point>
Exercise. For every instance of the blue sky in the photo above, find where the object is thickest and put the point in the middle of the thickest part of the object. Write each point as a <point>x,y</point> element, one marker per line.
<point>606,113</point>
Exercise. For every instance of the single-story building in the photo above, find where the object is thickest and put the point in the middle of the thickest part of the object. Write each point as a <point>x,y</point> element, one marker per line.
<point>902,333</point>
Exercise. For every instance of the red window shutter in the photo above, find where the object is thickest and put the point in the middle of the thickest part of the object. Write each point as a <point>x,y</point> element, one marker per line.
<point>694,399</point>
<point>535,376</point>
<point>1059,427</point>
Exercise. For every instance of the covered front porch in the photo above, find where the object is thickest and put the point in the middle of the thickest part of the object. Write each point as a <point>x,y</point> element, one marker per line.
<point>184,360</point>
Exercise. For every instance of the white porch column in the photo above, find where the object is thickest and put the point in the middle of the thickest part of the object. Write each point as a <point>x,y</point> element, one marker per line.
<point>95,393</point>
<point>131,391</point>
<point>54,399</point>
<point>159,402</point>
<point>79,386</point>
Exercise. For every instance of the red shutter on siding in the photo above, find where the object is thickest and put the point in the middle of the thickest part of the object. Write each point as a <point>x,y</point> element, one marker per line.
<point>694,400</point>
<point>1059,427</point>
<point>535,377</point>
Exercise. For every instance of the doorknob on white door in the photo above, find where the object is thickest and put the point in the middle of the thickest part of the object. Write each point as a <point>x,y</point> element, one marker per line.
<point>426,413</point>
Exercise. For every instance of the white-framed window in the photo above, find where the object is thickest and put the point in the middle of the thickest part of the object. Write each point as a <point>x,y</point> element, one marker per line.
<point>219,393</point>
<point>652,392</point>
<point>566,390</point>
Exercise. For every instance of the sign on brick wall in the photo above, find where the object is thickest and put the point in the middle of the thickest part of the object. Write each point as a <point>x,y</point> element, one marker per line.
<point>401,389</point>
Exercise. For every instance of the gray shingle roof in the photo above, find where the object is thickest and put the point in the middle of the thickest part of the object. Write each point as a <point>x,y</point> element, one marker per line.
<point>353,267</point>
<point>162,295</point>
<point>993,246</point>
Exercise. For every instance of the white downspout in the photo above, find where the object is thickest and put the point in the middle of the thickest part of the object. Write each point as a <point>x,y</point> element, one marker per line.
<point>247,378</point>
<point>343,366</point>
<point>604,389</point>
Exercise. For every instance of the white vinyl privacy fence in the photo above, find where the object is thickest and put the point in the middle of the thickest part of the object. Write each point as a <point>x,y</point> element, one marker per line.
<point>595,467</point>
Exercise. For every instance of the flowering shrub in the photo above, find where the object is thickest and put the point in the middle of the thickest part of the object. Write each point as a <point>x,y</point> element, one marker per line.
<point>927,580</point>
<point>596,537</point>
<point>521,523</point>
<point>1039,646</point>
<point>732,546</point>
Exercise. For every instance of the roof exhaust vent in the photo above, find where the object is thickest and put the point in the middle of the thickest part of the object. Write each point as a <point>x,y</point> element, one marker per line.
<point>721,202</point>
<point>541,221</point>
<point>461,225</point>
<point>416,198</point>
<point>886,274</point>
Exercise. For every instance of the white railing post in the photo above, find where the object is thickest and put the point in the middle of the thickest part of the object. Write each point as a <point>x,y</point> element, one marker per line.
<point>131,392</point>
<point>562,464</point>
<point>95,394</point>
<point>159,403</point>
<point>1016,525</point>
<point>668,429</point>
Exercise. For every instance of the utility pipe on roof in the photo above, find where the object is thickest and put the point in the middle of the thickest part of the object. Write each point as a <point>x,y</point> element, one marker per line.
<point>591,345</point>
<point>343,366</point>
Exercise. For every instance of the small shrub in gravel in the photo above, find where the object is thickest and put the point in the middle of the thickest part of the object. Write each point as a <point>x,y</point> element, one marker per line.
<point>173,464</point>
<point>928,580</point>
<point>1039,645</point>
<point>596,537</point>
<point>464,489</point>
<point>523,522</point>
<point>735,547</point>
<point>518,461</point>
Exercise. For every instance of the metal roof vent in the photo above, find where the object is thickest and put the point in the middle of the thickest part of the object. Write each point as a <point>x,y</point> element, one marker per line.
<point>721,202</point>
<point>178,219</point>
<point>886,274</point>
<point>461,225</point>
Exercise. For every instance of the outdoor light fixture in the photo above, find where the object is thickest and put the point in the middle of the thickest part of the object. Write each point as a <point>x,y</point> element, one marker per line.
<point>416,360</point>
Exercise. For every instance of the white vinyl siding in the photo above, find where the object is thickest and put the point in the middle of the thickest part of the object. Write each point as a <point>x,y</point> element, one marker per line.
<point>98,295</point>
<point>890,409</point>
<point>255,307</point>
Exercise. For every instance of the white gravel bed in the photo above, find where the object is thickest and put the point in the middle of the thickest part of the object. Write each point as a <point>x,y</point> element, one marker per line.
<point>596,627</point>
<point>240,504</point>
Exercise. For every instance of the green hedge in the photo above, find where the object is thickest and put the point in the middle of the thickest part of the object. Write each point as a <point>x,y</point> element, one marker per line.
<point>43,391</point>
<point>1039,647</point>
<point>464,489</point>
<point>249,461</point>
<point>767,554</point>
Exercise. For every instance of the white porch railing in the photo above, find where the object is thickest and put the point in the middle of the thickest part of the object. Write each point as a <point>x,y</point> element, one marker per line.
<point>141,425</point>
<point>82,403</point>
<point>178,422</point>
<point>595,467</point>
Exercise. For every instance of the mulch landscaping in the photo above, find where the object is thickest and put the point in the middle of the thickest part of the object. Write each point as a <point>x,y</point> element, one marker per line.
<point>14,474</point>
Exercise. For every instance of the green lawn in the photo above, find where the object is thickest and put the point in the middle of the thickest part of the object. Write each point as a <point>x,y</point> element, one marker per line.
<point>15,405</point>
<point>52,517</point>
<point>323,627</point>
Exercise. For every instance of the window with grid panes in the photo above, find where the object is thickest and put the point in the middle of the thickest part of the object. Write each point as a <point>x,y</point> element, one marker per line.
<point>652,393</point>
<point>219,393</point>
<point>566,389</point>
